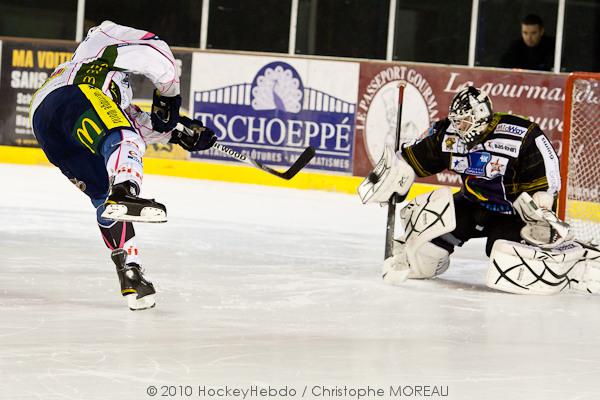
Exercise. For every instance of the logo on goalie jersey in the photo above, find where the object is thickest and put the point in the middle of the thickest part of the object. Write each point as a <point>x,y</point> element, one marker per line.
<point>504,146</point>
<point>497,166</point>
<point>510,129</point>
<point>477,163</point>
<point>459,164</point>
<point>451,144</point>
<point>481,164</point>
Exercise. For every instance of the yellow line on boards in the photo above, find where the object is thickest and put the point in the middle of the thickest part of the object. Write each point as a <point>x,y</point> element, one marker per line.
<point>22,155</point>
<point>243,174</point>
<point>206,170</point>
<point>219,172</point>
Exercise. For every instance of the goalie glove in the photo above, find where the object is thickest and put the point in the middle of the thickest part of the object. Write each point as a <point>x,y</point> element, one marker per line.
<point>542,227</point>
<point>197,137</point>
<point>165,112</point>
<point>391,175</point>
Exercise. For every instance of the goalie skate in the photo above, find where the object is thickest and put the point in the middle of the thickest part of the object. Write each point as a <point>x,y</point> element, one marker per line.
<point>137,290</point>
<point>123,205</point>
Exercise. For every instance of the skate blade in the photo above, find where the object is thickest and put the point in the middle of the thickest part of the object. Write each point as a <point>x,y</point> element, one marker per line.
<point>118,212</point>
<point>144,303</point>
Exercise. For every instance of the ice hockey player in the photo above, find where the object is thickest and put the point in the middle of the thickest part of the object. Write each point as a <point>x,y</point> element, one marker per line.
<point>84,120</point>
<point>510,178</point>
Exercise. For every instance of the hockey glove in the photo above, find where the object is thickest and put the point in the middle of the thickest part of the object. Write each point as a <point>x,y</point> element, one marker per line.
<point>165,112</point>
<point>197,137</point>
<point>391,175</point>
<point>542,227</point>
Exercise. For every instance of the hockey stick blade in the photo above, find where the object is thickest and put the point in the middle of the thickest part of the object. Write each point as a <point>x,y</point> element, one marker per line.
<point>300,163</point>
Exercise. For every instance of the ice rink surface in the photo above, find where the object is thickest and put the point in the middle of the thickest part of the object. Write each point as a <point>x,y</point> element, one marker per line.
<point>266,287</point>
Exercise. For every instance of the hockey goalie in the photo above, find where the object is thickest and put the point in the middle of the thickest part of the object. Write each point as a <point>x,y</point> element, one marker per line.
<point>510,179</point>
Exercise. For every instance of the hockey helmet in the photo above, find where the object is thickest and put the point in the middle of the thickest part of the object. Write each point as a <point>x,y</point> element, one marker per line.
<point>470,112</point>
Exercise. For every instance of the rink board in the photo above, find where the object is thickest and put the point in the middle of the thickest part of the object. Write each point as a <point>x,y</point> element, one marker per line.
<point>241,174</point>
<point>216,171</point>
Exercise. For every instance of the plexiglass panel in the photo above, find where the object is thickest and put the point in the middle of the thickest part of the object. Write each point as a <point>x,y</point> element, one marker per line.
<point>343,28</point>
<point>253,25</point>
<point>434,31</point>
<point>176,22</point>
<point>56,19</point>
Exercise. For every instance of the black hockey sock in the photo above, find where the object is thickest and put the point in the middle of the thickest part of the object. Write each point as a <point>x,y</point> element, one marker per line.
<point>116,235</point>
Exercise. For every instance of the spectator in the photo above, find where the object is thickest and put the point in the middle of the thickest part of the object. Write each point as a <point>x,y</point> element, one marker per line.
<point>533,50</point>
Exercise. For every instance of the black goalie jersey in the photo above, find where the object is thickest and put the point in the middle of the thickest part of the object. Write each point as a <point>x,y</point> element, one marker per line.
<point>513,156</point>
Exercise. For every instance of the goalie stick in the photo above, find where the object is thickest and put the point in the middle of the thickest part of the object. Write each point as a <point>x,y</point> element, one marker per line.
<point>391,216</point>
<point>300,163</point>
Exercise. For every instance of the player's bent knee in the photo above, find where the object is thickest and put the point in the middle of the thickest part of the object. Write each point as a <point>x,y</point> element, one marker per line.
<point>124,136</point>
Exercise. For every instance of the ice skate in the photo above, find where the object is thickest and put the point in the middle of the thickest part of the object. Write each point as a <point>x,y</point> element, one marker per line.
<point>123,204</point>
<point>137,290</point>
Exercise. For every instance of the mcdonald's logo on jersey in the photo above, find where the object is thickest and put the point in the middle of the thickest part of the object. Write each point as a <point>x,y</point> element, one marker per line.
<point>88,131</point>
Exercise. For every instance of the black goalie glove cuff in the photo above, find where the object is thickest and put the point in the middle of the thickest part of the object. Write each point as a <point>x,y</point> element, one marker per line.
<point>196,138</point>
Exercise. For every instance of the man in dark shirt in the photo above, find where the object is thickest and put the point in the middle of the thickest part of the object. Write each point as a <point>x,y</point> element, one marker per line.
<point>534,50</point>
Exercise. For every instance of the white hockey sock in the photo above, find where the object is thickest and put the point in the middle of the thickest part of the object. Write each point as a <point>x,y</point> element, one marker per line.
<point>125,162</point>
<point>120,235</point>
<point>132,252</point>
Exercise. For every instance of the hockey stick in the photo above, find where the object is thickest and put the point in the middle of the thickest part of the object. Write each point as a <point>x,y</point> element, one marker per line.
<point>300,163</point>
<point>396,198</point>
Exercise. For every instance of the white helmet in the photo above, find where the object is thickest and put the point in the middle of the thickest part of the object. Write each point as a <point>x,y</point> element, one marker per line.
<point>470,112</point>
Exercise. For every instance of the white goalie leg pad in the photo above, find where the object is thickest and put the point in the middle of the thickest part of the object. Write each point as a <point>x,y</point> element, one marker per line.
<point>525,269</point>
<point>430,261</point>
<point>589,280</point>
<point>425,218</point>
<point>392,175</point>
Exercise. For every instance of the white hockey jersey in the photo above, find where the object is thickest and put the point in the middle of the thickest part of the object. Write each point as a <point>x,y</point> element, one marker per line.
<point>105,58</point>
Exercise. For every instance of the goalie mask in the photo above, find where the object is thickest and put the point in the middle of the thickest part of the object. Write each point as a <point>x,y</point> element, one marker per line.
<point>470,112</point>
